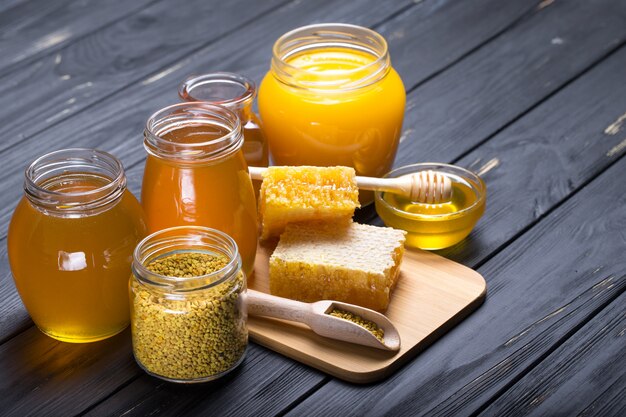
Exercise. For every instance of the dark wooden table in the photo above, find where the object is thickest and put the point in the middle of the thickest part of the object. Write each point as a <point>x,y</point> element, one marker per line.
<point>532,95</point>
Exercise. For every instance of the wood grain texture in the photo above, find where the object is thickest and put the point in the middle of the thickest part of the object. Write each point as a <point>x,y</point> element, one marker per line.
<point>440,22</point>
<point>9,4</point>
<point>432,35</point>
<point>544,157</point>
<point>542,288</point>
<point>480,95</point>
<point>40,375</point>
<point>58,85</point>
<point>611,402</point>
<point>259,387</point>
<point>590,362</point>
<point>432,295</point>
<point>32,29</point>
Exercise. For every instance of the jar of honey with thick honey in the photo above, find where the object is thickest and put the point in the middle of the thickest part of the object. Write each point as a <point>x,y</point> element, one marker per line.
<point>331,98</point>
<point>71,241</point>
<point>196,174</point>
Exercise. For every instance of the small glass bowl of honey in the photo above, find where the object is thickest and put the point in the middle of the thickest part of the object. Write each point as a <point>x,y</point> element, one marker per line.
<point>435,226</point>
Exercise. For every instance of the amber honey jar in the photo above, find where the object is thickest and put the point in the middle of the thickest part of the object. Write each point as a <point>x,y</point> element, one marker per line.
<point>71,240</point>
<point>196,174</point>
<point>236,93</point>
<point>331,97</point>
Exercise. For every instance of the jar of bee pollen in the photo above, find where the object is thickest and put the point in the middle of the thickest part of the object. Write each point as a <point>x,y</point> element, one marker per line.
<point>188,316</point>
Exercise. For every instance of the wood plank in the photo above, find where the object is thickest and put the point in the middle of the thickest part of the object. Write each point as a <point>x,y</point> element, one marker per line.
<point>9,4</point>
<point>433,35</point>
<point>259,387</point>
<point>30,361</point>
<point>39,375</point>
<point>543,285</point>
<point>500,82</point>
<point>611,402</point>
<point>35,28</point>
<point>584,367</point>
<point>58,85</point>
<point>543,158</point>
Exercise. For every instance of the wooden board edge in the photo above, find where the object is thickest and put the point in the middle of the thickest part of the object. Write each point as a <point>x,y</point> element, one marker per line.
<point>381,373</point>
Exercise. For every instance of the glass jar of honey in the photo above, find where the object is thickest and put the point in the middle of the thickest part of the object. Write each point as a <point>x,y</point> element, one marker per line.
<point>71,240</point>
<point>187,298</point>
<point>196,174</point>
<point>331,98</point>
<point>236,93</point>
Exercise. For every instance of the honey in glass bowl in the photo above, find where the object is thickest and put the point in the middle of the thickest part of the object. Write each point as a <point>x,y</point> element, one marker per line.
<point>435,226</point>
<point>332,98</point>
<point>196,174</point>
<point>70,242</point>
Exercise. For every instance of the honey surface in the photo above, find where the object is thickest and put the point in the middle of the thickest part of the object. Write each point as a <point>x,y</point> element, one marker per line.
<point>217,195</point>
<point>448,224</point>
<point>72,273</point>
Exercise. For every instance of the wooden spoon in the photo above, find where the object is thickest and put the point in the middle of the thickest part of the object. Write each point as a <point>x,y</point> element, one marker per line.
<point>429,187</point>
<point>315,316</point>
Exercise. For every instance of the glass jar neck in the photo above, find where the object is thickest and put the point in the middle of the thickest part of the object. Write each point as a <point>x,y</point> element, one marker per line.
<point>185,239</point>
<point>337,38</point>
<point>75,182</point>
<point>193,132</point>
<point>233,91</point>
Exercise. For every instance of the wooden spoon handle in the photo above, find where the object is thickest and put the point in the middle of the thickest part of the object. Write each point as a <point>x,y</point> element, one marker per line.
<point>261,304</point>
<point>429,187</point>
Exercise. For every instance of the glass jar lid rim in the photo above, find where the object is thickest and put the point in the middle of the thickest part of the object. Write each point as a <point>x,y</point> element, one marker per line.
<point>248,87</point>
<point>381,55</point>
<point>234,263</point>
<point>324,36</point>
<point>224,145</point>
<point>32,181</point>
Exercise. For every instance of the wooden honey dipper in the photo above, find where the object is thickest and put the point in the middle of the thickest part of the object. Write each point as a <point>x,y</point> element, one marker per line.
<point>429,187</point>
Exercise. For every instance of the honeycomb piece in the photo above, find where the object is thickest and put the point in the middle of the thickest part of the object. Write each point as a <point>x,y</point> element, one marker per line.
<point>357,264</point>
<point>300,194</point>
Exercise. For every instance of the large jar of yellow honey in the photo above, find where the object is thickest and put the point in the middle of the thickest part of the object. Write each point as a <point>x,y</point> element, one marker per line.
<point>330,98</point>
<point>71,242</point>
<point>196,174</point>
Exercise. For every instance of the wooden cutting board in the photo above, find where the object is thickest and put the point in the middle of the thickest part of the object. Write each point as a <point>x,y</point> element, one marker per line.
<point>432,295</point>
